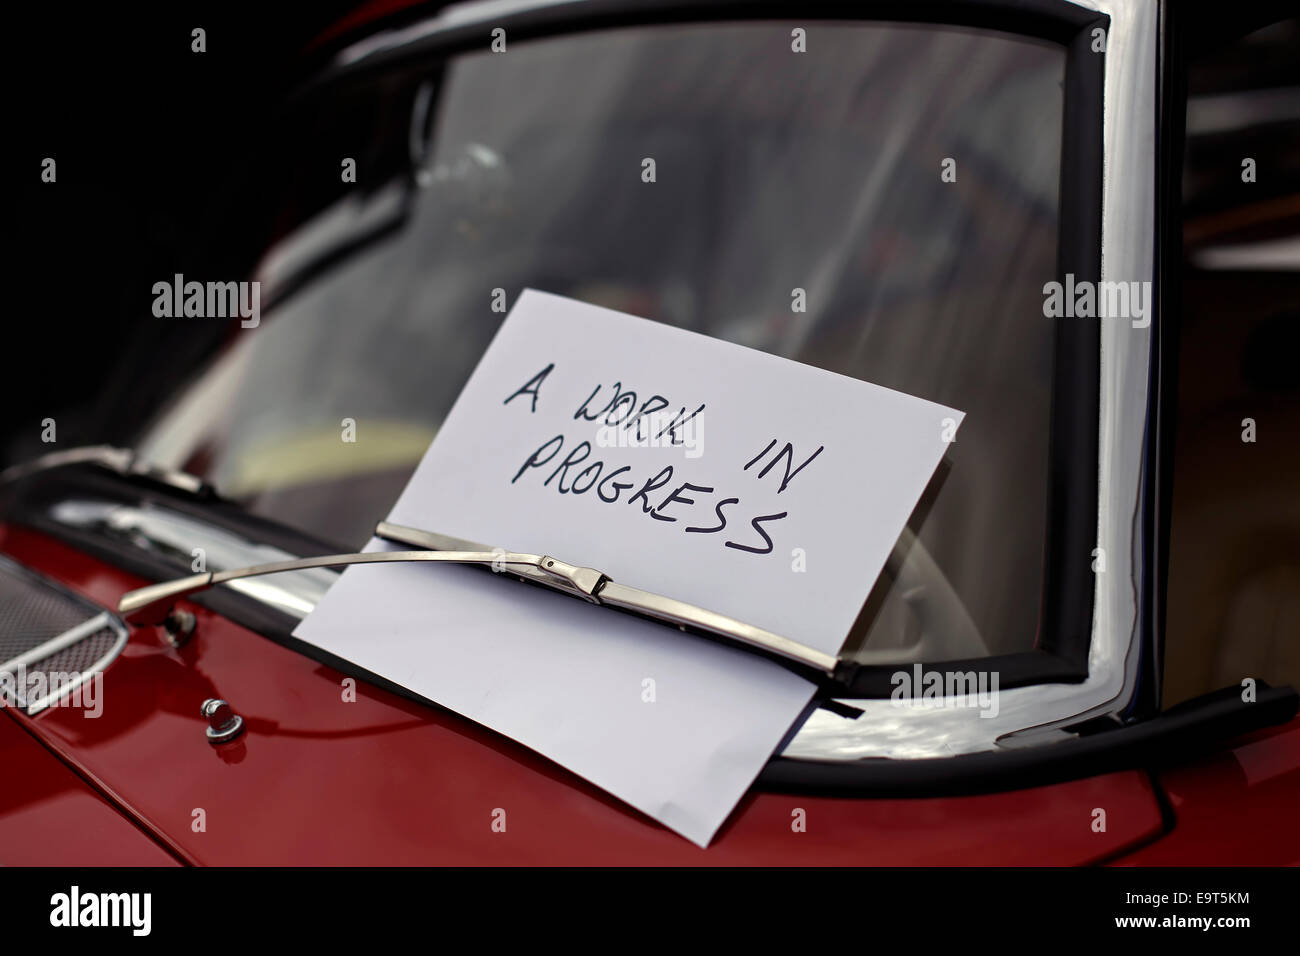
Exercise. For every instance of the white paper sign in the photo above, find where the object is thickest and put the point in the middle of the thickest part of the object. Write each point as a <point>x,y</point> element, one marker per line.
<point>747,484</point>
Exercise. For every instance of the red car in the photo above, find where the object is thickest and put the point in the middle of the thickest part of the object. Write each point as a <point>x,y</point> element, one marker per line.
<point>942,178</point>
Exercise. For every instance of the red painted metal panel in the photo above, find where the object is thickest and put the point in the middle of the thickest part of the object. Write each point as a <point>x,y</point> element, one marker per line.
<point>51,817</point>
<point>1234,808</point>
<point>317,780</point>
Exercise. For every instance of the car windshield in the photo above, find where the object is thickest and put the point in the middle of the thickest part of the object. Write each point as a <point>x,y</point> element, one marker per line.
<point>876,200</point>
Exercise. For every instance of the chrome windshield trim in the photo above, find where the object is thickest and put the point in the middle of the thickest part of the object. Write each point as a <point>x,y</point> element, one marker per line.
<point>181,538</point>
<point>122,461</point>
<point>1036,714</point>
<point>452,17</point>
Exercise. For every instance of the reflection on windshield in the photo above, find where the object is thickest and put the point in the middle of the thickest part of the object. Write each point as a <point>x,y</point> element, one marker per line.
<point>780,180</point>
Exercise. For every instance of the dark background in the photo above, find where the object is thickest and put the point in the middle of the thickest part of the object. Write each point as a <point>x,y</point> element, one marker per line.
<point>156,149</point>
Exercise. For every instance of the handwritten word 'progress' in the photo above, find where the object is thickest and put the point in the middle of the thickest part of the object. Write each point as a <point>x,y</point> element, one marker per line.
<point>682,502</point>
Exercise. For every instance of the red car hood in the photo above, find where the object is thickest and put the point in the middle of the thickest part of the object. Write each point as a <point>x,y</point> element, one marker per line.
<point>316,779</point>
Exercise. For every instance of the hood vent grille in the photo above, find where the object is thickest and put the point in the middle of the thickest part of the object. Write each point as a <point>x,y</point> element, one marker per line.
<point>51,640</point>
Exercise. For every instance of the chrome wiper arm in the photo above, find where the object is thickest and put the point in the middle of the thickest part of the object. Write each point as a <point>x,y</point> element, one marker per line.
<point>154,604</point>
<point>122,461</point>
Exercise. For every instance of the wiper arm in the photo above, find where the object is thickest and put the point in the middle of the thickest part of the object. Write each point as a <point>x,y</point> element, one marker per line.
<point>154,604</point>
<point>122,461</point>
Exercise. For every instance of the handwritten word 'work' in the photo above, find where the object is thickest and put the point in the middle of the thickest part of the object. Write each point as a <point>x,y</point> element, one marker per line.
<point>657,496</point>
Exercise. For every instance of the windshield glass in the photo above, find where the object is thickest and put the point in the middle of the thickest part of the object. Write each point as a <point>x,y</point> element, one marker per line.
<point>899,182</point>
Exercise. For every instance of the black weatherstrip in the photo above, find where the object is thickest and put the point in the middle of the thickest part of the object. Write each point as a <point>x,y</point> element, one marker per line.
<point>1192,728</point>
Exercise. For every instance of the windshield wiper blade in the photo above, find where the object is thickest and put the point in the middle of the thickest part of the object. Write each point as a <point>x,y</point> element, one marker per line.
<point>154,604</point>
<point>600,589</point>
<point>121,461</point>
